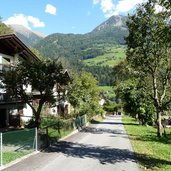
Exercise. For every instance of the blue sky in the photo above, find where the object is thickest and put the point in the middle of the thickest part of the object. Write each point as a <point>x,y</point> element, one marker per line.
<point>63,16</point>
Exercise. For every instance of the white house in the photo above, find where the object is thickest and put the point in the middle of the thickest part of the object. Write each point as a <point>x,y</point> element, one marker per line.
<point>11,110</point>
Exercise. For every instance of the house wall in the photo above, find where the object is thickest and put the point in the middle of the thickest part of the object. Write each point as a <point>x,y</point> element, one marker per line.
<point>27,113</point>
<point>8,111</point>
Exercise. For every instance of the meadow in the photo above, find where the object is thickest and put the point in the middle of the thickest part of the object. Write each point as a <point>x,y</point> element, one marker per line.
<point>112,56</point>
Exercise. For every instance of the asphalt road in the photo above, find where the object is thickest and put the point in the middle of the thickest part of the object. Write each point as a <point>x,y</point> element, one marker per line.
<point>102,147</point>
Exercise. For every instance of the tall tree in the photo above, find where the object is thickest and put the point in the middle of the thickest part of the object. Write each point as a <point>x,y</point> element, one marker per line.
<point>84,91</point>
<point>149,52</point>
<point>42,76</point>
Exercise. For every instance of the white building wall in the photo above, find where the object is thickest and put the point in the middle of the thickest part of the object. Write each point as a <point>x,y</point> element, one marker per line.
<point>27,113</point>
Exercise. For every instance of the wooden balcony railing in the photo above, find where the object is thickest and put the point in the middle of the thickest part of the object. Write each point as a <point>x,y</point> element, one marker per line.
<point>4,98</point>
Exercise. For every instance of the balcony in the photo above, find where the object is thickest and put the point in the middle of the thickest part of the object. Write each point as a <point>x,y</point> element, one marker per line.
<point>4,99</point>
<point>5,67</point>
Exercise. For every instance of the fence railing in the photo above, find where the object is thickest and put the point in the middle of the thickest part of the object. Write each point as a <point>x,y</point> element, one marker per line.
<point>15,144</point>
<point>54,132</point>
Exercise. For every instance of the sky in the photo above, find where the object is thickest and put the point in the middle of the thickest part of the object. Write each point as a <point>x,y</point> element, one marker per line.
<point>63,16</point>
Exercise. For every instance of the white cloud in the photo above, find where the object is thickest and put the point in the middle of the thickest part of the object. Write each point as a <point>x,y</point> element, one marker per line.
<point>127,5</point>
<point>107,6</point>
<point>26,21</point>
<point>35,21</point>
<point>110,8</point>
<point>50,9</point>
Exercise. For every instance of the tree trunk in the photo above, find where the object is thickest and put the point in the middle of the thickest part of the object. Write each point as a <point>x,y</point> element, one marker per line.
<point>37,120</point>
<point>37,113</point>
<point>159,125</point>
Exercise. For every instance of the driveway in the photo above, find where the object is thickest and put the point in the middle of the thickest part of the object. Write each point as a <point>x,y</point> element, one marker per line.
<point>99,147</point>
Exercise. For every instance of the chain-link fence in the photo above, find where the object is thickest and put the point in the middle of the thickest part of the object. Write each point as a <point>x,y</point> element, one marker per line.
<point>15,144</point>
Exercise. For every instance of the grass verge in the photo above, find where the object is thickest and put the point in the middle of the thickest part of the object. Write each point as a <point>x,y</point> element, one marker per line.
<point>153,153</point>
<point>17,143</point>
<point>11,156</point>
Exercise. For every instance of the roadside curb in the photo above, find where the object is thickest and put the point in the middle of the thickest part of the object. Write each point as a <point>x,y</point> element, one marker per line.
<point>18,160</point>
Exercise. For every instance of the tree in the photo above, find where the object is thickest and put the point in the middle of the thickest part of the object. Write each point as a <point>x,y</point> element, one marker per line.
<point>135,101</point>
<point>37,53</point>
<point>42,76</point>
<point>149,51</point>
<point>84,93</point>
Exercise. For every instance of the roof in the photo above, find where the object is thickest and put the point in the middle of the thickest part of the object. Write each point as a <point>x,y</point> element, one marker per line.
<point>10,44</point>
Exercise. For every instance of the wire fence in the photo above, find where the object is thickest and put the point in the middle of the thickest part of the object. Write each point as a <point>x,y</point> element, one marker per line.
<point>53,132</point>
<point>15,144</point>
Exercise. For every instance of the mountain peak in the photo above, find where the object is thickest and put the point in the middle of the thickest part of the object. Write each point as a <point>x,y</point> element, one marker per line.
<point>28,36</point>
<point>113,21</point>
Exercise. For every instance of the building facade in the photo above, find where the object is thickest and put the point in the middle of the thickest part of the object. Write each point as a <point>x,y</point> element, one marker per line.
<point>13,111</point>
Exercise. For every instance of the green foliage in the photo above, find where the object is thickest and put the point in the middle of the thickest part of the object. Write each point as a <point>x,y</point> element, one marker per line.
<point>57,127</point>
<point>102,73</point>
<point>152,153</point>
<point>136,102</point>
<point>91,109</point>
<point>108,92</point>
<point>149,51</point>
<point>84,94</point>
<point>37,53</point>
<point>111,56</point>
<point>76,48</point>
<point>42,76</point>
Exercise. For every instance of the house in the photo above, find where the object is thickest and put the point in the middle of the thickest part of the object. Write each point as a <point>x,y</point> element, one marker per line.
<point>11,110</point>
<point>62,106</point>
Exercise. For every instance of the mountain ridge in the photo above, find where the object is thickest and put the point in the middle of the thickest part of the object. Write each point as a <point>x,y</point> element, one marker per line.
<point>29,37</point>
<point>82,45</point>
<point>74,49</point>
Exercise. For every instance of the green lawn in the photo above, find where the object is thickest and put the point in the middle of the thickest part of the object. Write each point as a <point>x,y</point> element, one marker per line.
<point>11,156</point>
<point>111,57</point>
<point>153,153</point>
<point>17,144</point>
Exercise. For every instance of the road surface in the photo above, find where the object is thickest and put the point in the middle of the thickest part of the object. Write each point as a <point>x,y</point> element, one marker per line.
<point>100,147</point>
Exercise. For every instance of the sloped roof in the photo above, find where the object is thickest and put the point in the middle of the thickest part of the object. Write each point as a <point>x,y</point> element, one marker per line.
<point>10,44</point>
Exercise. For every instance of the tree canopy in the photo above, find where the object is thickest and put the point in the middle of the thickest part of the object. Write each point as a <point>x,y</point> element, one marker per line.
<point>84,94</point>
<point>149,51</point>
<point>41,76</point>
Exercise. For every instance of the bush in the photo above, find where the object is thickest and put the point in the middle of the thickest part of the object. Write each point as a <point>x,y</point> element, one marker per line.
<point>108,108</point>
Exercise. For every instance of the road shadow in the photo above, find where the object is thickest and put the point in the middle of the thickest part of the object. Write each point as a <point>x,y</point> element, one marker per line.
<point>113,123</point>
<point>94,130</point>
<point>104,154</point>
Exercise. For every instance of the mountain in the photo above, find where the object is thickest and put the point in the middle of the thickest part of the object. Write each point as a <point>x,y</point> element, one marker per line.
<point>106,41</point>
<point>27,36</point>
<point>82,46</point>
<point>113,29</point>
<point>112,22</point>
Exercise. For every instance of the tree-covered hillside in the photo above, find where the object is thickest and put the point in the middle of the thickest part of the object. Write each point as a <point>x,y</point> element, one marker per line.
<point>75,48</point>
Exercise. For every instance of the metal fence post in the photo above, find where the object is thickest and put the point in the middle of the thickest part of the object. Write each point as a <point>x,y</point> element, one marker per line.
<point>1,149</point>
<point>36,138</point>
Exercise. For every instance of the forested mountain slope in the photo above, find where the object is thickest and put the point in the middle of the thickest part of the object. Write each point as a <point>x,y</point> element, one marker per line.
<point>77,48</point>
<point>29,37</point>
